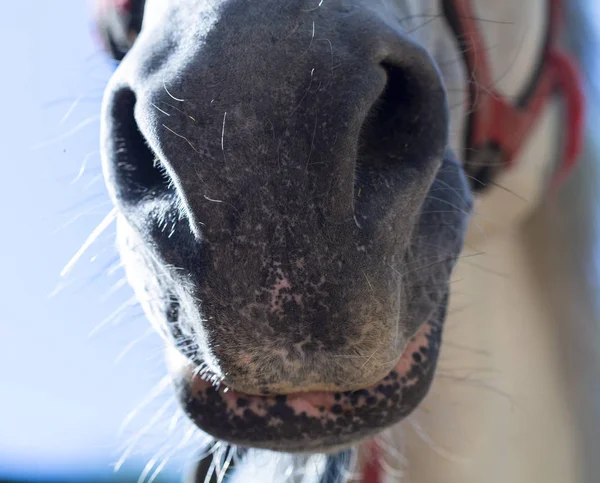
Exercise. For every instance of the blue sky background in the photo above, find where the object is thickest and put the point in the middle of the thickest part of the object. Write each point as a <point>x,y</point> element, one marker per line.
<point>64,395</point>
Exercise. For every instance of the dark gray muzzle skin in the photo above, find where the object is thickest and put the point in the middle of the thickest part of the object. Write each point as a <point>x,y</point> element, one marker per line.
<point>289,211</point>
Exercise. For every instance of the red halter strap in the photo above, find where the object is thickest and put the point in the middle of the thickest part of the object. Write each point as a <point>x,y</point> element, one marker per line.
<point>372,470</point>
<point>121,6</point>
<point>504,127</point>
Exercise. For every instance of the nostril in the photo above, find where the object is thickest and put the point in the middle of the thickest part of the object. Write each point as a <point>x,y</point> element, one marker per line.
<point>398,106</point>
<point>133,170</point>
<point>410,117</point>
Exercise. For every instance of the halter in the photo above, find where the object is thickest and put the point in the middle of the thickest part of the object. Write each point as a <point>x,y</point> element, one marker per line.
<point>498,130</point>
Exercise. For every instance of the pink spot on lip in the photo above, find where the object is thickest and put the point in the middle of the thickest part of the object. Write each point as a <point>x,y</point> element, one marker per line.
<point>284,283</point>
<point>280,285</point>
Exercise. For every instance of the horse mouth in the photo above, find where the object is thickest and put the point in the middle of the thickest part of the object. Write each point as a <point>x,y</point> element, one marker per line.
<point>315,420</point>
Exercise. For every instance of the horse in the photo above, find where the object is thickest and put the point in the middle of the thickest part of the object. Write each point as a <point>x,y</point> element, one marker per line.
<point>304,191</point>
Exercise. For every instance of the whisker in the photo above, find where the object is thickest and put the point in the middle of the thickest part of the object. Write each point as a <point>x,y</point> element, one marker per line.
<point>171,95</point>
<point>71,109</point>
<point>152,462</point>
<point>60,287</point>
<point>504,188</point>
<point>128,450</point>
<point>159,109</point>
<point>93,210</point>
<point>177,109</point>
<point>132,344</point>
<point>71,132</point>
<point>419,431</point>
<point>113,289</point>
<point>115,316</point>
<point>182,137</point>
<point>103,225</point>
<point>81,172</point>
<point>160,387</point>
<point>223,133</point>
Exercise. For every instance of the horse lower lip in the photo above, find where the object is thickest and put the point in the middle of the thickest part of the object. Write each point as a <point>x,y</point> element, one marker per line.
<point>313,403</point>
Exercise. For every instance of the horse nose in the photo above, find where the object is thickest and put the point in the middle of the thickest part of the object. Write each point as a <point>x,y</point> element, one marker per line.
<point>286,137</point>
<point>325,84</point>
